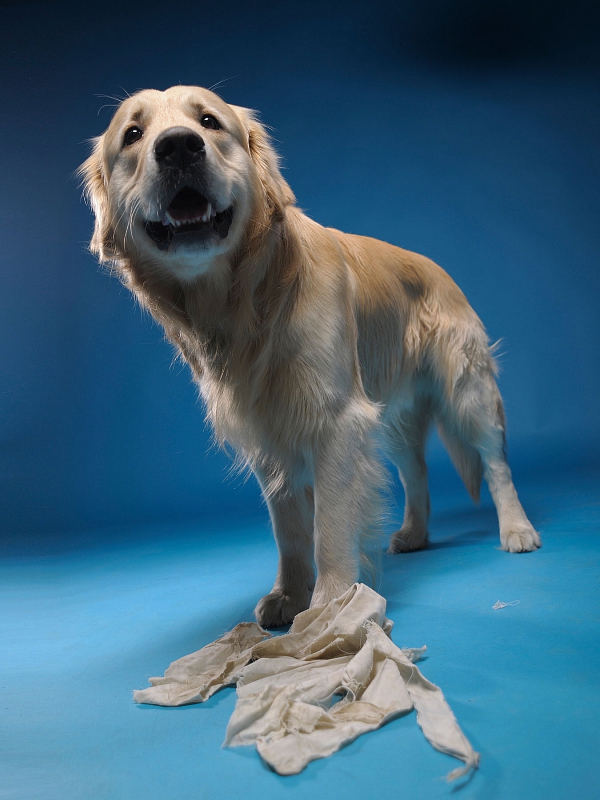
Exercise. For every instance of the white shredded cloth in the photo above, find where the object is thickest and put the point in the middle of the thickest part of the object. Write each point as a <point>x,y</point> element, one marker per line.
<point>287,685</point>
<point>499,604</point>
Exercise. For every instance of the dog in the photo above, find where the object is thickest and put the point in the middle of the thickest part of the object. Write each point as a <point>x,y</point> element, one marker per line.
<point>312,349</point>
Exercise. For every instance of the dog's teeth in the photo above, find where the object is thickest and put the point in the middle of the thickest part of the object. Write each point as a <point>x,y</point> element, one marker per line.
<point>167,219</point>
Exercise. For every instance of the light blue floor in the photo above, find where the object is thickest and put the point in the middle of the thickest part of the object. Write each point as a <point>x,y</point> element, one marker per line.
<point>87,619</point>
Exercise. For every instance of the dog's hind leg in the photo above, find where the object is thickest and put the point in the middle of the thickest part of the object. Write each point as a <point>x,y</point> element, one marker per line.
<point>517,534</point>
<point>291,514</point>
<point>473,427</point>
<point>405,445</point>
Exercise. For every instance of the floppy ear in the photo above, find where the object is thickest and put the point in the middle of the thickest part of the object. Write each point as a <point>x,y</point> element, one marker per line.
<point>266,161</point>
<point>94,182</point>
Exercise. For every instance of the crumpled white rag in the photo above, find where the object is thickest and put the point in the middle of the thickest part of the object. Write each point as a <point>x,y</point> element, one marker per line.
<point>286,684</point>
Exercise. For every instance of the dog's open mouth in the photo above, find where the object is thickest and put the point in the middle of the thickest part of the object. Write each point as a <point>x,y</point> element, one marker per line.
<point>189,213</point>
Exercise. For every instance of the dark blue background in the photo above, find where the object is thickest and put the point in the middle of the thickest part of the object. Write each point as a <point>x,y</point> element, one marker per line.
<point>464,130</point>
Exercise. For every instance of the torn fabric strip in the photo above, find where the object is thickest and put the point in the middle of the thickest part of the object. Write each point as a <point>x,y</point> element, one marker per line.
<point>287,686</point>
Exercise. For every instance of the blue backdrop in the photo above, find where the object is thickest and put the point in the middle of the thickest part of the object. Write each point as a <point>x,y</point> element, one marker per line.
<point>464,130</point>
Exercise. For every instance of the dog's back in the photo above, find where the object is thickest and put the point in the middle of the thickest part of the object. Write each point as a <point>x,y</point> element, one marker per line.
<point>412,318</point>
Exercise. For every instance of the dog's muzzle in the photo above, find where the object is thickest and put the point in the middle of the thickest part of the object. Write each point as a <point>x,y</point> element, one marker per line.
<point>190,218</point>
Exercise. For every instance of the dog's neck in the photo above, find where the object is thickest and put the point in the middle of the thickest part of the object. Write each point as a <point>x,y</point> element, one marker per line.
<point>221,320</point>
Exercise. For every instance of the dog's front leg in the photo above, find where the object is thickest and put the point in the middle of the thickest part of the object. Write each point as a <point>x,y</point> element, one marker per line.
<point>348,481</point>
<point>291,512</point>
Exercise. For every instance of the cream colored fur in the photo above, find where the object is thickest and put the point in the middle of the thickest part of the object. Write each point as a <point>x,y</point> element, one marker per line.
<point>309,346</point>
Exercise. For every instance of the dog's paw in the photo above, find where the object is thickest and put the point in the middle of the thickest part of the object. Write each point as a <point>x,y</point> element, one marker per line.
<point>275,609</point>
<point>521,539</point>
<point>408,539</point>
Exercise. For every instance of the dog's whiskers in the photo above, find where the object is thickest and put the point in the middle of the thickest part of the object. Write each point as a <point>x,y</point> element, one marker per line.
<point>221,82</point>
<point>134,209</point>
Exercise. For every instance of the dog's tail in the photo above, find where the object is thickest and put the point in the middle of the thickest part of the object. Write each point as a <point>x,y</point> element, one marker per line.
<point>465,458</point>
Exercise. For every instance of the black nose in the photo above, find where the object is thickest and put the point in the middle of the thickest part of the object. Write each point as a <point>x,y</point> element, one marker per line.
<point>178,147</point>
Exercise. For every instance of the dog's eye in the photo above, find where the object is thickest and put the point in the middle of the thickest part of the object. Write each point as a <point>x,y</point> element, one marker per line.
<point>208,121</point>
<point>132,135</point>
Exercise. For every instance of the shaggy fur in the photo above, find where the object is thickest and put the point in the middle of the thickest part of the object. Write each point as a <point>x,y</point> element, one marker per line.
<point>309,346</point>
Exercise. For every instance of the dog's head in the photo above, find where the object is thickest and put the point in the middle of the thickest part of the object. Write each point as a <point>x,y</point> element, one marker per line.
<point>180,178</point>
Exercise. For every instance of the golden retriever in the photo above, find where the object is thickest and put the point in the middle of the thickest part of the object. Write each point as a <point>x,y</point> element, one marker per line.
<point>312,348</point>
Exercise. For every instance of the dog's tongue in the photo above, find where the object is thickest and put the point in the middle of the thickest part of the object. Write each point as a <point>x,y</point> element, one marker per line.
<point>188,212</point>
